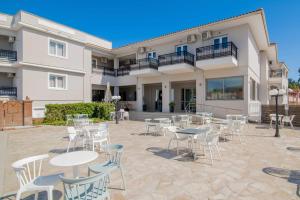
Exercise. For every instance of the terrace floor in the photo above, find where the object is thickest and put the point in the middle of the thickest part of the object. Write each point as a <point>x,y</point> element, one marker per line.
<point>262,167</point>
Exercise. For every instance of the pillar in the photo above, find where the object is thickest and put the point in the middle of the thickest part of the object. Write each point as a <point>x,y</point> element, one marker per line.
<point>116,63</point>
<point>166,95</point>
<point>116,91</point>
<point>200,91</point>
<point>139,96</point>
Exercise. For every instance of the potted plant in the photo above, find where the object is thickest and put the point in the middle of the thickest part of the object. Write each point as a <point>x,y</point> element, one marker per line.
<point>172,106</point>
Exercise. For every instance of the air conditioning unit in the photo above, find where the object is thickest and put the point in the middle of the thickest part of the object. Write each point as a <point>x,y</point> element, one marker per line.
<point>270,62</point>
<point>191,38</point>
<point>11,75</point>
<point>103,60</point>
<point>206,35</point>
<point>11,39</point>
<point>142,50</point>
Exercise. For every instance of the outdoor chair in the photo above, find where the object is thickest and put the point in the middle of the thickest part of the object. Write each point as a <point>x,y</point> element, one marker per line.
<point>184,121</point>
<point>289,120</point>
<point>149,124</point>
<point>126,115</point>
<point>177,137</point>
<point>72,137</point>
<point>236,129</point>
<point>163,125</point>
<point>273,119</point>
<point>28,171</point>
<point>86,188</point>
<point>98,135</point>
<point>211,143</point>
<point>115,152</point>
<point>69,120</point>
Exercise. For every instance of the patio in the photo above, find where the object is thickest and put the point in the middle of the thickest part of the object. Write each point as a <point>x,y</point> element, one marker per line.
<point>152,172</point>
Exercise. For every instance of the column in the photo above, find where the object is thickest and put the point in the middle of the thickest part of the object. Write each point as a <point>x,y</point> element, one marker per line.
<point>116,63</point>
<point>200,91</point>
<point>166,95</point>
<point>87,85</point>
<point>139,96</point>
<point>116,91</point>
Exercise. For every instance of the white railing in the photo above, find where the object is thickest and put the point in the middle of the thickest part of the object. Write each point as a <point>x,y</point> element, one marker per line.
<point>254,110</point>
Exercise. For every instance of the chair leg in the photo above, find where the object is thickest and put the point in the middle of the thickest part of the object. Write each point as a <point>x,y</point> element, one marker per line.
<point>93,146</point>
<point>177,148</point>
<point>18,196</point>
<point>292,126</point>
<point>68,148</point>
<point>210,153</point>
<point>123,178</point>
<point>36,195</point>
<point>170,144</point>
<point>50,194</point>
<point>218,151</point>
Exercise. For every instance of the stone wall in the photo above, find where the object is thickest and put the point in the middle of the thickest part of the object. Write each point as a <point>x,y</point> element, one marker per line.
<point>15,113</point>
<point>268,109</point>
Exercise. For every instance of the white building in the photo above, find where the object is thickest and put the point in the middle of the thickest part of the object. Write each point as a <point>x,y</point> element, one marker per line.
<point>226,66</point>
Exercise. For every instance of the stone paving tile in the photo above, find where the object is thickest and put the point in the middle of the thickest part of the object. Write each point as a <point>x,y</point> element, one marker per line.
<point>153,172</point>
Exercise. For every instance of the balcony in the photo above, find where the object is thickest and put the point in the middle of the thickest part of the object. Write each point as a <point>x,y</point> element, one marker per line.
<point>178,62</point>
<point>217,56</point>
<point>8,56</point>
<point>276,76</point>
<point>145,67</point>
<point>123,71</point>
<point>8,91</point>
<point>105,70</point>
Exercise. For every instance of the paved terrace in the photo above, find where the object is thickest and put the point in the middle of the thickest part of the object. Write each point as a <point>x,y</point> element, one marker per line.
<point>154,173</point>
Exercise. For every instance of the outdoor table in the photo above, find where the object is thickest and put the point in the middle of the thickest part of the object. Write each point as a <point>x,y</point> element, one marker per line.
<point>74,159</point>
<point>191,132</point>
<point>160,119</point>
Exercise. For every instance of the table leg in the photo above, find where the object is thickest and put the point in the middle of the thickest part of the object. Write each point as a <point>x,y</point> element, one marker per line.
<point>75,171</point>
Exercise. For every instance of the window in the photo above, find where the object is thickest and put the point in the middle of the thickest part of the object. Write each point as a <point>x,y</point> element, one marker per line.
<point>180,49</point>
<point>152,54</point>
<point>221,42</point>
<point>94,63</point>
<point>252,89</point>
<point>57,48</point>
<point>57,81</point>
<point>225,88</point>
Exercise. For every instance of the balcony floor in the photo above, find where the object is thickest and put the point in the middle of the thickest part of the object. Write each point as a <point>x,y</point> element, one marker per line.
<point>217,63</point>
<point>176,68</point>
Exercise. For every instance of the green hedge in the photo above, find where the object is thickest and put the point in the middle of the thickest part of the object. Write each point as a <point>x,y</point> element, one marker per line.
<point>58,112</point>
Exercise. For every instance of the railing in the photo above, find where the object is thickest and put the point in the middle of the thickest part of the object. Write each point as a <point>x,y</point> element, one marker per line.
<point>175,58</point>
<point>276,73</point>
<point>105,69</point>
<point>127,63</point>
<point>8,91</point>
<point>217,50</point>
<point>123,71</point>
<point>8,56</point>
<point>146,63</point>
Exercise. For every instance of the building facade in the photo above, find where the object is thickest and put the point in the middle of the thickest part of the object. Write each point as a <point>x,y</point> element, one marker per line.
<point>224,67</point>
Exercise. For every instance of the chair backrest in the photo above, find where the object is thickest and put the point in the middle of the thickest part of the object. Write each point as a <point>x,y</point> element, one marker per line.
<point>212,138</point>
<point>27,169</point>
<point>148,121</point>
<point>93,187</point>
<point>174,119</point>
<point>115,152</point>
<point>236,125</point>
<point>229,117</point>
<point>292,117</point>
<point>71,130</point>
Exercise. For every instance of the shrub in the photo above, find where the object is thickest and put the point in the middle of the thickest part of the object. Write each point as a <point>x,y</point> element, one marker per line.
<point>58,112</point>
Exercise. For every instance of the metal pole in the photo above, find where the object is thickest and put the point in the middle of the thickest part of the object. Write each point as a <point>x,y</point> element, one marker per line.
<point>277,127</point>
<point>116,112</point>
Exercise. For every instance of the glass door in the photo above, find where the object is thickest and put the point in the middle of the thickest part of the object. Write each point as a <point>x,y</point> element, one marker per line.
<point>188,99</point>
<point>158,100</point>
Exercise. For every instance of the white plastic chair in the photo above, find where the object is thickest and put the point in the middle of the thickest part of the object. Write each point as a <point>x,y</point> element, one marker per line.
<point>149,124</point>
<point>273,119</point>
<point>212,142</point>
<point>288,119</point>
<point>177,137</point>
<point>163,125</point>
<point>184,121</point>
<point>72,137</point>
<point>28,171</point>
<point>236,129</point>
<point>122,111</point>
<point>98,135</point>
<point>126,115</point>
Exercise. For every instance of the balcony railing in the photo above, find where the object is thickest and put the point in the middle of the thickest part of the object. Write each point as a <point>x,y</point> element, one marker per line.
<point>216,51</point>
<point>127,63</point>
<point>145,64</point>
<point>175,58</point>
<point>105,69</point>
<point>123,71</point>
<point>8,56</point>
<point>276,73</point>
<point>8,91</point>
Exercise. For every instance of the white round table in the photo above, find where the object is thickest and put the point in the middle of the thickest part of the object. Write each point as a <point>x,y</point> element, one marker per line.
<point>74,159</point>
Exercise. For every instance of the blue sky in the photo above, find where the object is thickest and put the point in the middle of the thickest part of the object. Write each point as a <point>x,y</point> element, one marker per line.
<point>127,21</point>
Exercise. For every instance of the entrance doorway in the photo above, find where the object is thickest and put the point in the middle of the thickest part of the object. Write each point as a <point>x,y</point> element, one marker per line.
<point>152,97</point>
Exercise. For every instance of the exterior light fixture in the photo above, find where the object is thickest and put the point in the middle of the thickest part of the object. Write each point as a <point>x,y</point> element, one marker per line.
<point>276,93</point>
